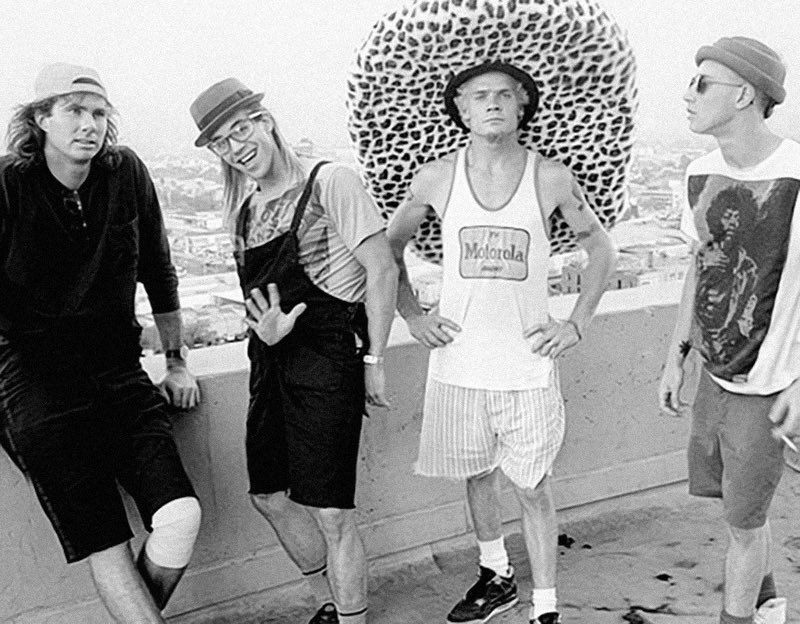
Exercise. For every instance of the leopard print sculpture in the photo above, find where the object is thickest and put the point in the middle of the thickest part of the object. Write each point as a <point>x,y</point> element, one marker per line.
<point>579,57</point>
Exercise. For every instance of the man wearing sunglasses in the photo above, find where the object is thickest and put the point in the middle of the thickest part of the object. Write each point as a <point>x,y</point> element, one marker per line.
<point>740,309</point>
<point>79,224</point>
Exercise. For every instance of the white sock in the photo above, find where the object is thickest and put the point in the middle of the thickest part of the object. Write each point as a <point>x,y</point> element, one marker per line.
<point>542,601</point>
<point>493,555</point>
<point>357,617</point>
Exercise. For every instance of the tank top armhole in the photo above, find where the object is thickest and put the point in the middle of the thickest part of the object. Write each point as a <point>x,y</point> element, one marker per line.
<point>537,161</point>
<point>450,186</point>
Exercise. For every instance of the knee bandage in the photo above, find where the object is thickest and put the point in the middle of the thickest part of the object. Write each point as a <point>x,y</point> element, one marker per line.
<point>175,528</point>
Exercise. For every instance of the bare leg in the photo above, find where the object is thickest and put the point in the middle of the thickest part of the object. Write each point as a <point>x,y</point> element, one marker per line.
<point>484,506</point>
<point>121,589</point>
<point>161,582</point>
<point>540,530</point>
<point>496,590</point>
<point>745,567</point>
<point>347,562</point>
<point>296,528</point>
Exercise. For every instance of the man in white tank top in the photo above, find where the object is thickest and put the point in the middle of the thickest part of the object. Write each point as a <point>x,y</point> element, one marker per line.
<point>492,400</point>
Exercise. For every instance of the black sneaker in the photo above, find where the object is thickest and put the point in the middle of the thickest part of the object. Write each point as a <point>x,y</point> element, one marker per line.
<point>492,594</point>
<point>326,615</point>
<point>548,618</point>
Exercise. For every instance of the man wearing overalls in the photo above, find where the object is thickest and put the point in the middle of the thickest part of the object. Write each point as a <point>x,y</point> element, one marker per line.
<point>320,284</point>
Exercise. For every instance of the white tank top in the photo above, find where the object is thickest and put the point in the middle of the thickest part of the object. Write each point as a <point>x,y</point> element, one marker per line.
<point>494,285</point>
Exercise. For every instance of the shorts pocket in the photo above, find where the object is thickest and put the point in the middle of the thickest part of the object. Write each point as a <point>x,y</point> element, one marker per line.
<point>328,365</point>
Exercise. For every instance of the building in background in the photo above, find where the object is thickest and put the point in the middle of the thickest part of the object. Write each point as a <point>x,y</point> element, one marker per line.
<point>651,249</point>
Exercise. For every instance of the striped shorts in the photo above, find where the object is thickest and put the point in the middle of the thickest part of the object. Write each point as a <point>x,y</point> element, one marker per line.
<point>467,432</point>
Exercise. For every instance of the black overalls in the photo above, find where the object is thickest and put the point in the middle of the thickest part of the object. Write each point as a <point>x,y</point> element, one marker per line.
<point>306,391</point>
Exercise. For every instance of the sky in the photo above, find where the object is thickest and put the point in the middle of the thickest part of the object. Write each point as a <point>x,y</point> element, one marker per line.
<point>157,55</point>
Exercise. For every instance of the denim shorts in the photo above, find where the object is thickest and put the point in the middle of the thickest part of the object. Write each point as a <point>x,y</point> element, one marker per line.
<point>732,454</point>
<point>76,431</point>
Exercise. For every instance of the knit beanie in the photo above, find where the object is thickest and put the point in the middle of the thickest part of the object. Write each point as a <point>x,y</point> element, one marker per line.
<point>757,63</point>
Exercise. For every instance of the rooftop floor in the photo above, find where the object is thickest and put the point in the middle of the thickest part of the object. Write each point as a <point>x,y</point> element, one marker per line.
<point>657,554</point>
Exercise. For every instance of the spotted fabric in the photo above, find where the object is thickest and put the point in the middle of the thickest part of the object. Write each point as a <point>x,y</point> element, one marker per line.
<point>581,61</point>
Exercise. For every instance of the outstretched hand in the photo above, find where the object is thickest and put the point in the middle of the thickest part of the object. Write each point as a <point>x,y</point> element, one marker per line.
<point>268,321</point>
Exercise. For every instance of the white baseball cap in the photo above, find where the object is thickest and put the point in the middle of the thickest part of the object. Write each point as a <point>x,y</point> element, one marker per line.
<point>63,78</point>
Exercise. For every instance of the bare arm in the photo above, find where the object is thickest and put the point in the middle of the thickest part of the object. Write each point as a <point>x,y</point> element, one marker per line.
<point>683,321</point>
<point>179,385</point>
<point>405,221</point>
<point>672,378</point>
<point>376,258</point>
<point>561,191</point>
<point>431,330</point>
<point>599,249</point>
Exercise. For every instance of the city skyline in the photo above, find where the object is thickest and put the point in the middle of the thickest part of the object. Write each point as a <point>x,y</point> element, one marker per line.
<point>155,57</point>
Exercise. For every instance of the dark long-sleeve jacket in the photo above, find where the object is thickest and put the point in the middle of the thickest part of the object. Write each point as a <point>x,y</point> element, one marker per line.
<point>70,288</point>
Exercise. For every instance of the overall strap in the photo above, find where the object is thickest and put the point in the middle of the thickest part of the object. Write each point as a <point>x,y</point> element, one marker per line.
<point>242,219</point>
<point>301,204</point>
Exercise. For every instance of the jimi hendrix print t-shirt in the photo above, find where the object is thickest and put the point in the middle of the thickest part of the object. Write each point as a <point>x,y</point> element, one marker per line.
<point>747,292</point>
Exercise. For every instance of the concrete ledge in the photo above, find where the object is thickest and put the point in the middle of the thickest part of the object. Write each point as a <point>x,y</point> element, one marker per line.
<point>636,476</point>
<point>616,444</point>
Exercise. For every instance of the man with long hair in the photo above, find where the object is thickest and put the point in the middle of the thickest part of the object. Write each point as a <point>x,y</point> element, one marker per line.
<point>79,224</point>
<point>319,281</point>
<point>492,398</point>
<point>739,310</point>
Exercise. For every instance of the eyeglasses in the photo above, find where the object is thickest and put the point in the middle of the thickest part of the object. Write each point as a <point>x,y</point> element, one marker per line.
<point>76,223</point>
<point>700,82</point>
<point>241,131</point>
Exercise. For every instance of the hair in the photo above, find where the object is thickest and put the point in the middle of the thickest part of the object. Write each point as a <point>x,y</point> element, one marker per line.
<point>765,103</point>
<point>25,139</point>
<point>519,91</point>
<point>236,184</point>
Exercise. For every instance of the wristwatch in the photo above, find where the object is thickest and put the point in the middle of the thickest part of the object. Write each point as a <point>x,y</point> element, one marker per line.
<point>177,354</point>
<point>373,359</point>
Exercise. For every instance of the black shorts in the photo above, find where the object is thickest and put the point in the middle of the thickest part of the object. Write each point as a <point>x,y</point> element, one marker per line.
<point>77,432</point>
<point>304,418</point>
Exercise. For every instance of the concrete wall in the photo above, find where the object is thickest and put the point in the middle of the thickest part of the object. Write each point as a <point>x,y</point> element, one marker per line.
<point>616,444</point>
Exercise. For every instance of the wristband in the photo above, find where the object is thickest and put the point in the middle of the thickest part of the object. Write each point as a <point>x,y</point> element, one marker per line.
<point>372,359</point>
<point>177,354</point>
<point>575,326</point>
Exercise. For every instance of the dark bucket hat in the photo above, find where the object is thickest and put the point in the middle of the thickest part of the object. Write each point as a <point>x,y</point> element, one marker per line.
<point>451,90</point>
<point>754,61</point>
<point>214,105</point>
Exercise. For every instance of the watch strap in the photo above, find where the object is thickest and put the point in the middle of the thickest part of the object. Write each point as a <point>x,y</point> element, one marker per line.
<point>175,354</point>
